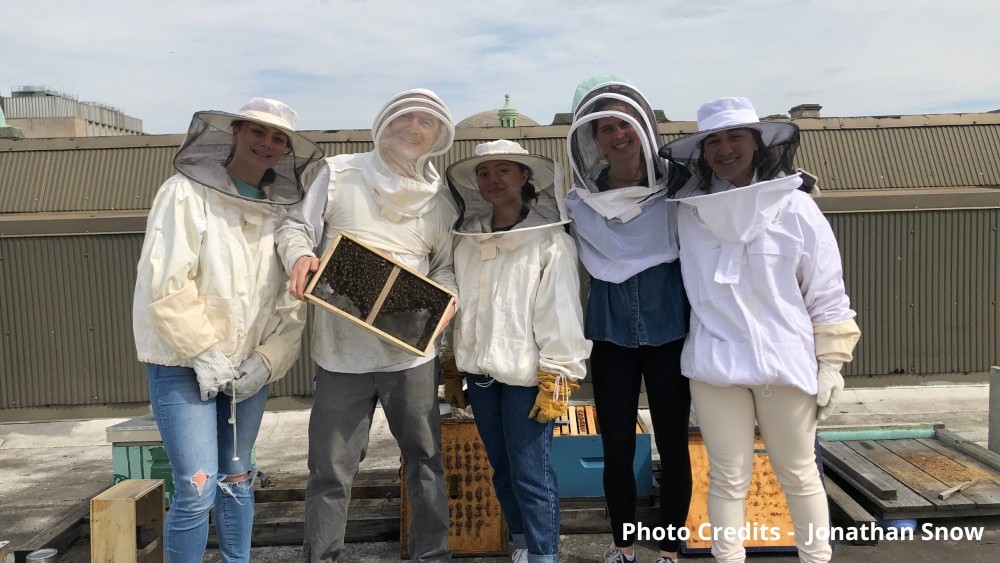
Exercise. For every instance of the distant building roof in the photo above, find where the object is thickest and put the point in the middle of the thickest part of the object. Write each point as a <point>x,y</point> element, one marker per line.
<point>506,116</point>
<point>567,118</point>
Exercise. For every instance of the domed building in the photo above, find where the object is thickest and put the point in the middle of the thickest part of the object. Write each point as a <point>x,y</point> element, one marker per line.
<point>506,116</point>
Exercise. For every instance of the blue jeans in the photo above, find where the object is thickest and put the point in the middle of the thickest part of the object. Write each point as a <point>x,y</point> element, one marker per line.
<point>198,439</point>
<point>520,452</point>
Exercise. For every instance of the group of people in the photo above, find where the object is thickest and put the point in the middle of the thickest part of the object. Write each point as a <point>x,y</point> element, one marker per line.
<point>714,280</point>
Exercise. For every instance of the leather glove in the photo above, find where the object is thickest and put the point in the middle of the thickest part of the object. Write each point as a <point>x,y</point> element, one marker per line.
<point>254,374</point>
<point>829,385</point>
<point>553,397</point>
<point>453,379</point>
<point>214,372</point>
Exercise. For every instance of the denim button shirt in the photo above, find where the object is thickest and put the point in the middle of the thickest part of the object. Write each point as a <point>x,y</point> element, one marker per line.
<point>648,309</point>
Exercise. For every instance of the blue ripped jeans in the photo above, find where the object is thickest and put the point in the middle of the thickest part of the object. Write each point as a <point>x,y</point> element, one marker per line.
<point>520,452</point>
<point>198,439</point>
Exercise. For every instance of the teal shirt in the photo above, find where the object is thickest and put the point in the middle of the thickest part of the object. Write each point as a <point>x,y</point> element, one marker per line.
<point>245,189</point>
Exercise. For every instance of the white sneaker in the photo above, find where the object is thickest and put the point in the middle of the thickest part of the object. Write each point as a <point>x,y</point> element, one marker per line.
<point>519,556</point>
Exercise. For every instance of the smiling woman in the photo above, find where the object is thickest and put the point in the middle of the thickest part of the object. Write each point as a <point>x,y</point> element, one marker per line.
<point>211,316</point>
<point>756,242</point>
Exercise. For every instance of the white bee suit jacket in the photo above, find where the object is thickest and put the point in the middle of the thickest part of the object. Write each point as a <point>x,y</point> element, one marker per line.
<point>209,276</point>
<point>521,310</point>
<point>761,266</point>
<point>341,199</point>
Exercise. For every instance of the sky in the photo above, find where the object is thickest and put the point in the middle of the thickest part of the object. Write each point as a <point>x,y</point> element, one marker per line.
<point>337,61</point>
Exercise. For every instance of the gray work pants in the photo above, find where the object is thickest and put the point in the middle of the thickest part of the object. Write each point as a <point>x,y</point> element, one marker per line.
<point>339,424</point>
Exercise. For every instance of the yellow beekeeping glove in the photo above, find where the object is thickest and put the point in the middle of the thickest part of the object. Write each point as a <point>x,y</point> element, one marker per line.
<point>553,396</point>
<point>453,379</point>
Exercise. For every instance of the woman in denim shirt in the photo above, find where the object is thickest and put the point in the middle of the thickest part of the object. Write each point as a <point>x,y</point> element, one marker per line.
<point>637,313</point>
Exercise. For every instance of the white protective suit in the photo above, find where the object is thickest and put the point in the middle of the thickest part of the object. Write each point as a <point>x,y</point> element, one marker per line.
<point>519,289</point>
<point>209,274</point>
<point>366,196</point>
<point>758,283</point>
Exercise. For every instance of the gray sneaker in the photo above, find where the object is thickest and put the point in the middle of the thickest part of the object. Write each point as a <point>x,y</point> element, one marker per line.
<point>666,559</point>
<point>614,555</point>
<point>519,556</point>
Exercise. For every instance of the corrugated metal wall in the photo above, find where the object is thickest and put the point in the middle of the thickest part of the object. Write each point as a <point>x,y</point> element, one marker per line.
<point>67,323</point>
<point>67,328</point>
<point>904,157</point>
<point>926,286</point>
<point>83,180</point>
<point>924,282</point>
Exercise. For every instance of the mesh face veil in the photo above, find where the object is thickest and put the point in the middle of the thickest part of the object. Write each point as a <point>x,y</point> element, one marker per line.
<point>412,127</point>
<point>208,147</point>
<point>540,206</point>
<point>609,100</point>
<point>776,141</point>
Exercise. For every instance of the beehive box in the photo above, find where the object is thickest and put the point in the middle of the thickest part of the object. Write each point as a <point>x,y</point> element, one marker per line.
<point>477,524</point>
<point>137,453</point>
<point>765,503</point>
<point>578,455</point>
<point>379,294</point>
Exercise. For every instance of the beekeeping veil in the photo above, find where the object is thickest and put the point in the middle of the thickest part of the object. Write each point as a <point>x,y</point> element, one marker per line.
<point>779,140</point>
<point>620,101</point>
<point>544,209</point>
<point>404,186</point>
<point>208,147</point>
<point>619,232</point>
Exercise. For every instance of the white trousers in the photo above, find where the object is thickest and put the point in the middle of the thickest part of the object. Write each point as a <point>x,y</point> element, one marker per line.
<point>786,417</point>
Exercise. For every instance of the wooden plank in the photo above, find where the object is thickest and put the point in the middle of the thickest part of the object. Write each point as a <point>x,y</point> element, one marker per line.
<point>283,523</point>
<point>970,448</point>
<point>905,460</point>
<point>958,488</point>
<point>986,493</point>
<point>906,500</point>
<point>60,535</point>
<point>872,478</point>
<point>591,413</point>
<point>368,484</point>
<point>382,295</point>
<point>581,421</point>
<point>574,422</point>
<point>845,512</point>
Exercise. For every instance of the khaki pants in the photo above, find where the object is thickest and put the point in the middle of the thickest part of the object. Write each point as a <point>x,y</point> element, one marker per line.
<point>786,417</point>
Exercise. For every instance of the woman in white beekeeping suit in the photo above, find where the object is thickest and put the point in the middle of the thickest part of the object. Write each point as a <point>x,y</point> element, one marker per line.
<point>771,323</point>
<point>518,338</point>
<point>212,319</point>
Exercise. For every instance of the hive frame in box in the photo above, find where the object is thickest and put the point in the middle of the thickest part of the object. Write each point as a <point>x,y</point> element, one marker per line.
<point>379,303</point>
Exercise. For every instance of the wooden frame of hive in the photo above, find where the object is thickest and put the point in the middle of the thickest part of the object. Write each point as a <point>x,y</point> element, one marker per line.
<point>377,288</point>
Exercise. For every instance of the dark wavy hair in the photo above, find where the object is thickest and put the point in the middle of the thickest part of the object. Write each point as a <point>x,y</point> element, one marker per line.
<point>528,191</point>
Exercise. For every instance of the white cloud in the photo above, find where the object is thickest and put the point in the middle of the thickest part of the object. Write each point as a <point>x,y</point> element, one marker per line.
<point>337,61</point>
